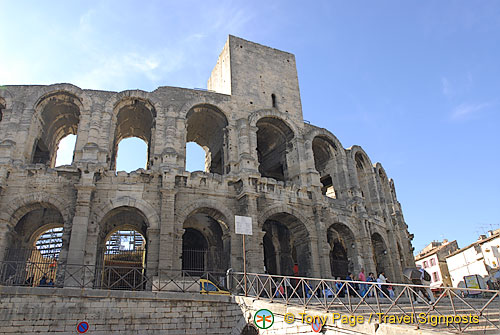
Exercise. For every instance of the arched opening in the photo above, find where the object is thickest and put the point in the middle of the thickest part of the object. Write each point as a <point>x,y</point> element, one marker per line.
<point>134,118</point>
<point>194,251</point>
<point>206,126</point>
<point>66,150</point>
<point>380,254</point>
<point>59,116</point>
<point>132,154</point>
<point>205,242</point>
<point>386,188</point>
<point>35,246</point>
<point>324,151</point>
<point>274,142</point>
<point>122,250</point>
<point>195,157</point>
<point>286,246</point>
<point>362,169</point>
<point>342,250</point>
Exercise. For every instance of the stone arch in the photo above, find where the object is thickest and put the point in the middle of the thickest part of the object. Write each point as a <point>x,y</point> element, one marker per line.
<point>133,117</point>
<point>46,91</point>
<point>325,134</point>
<point>385,187</point>
<point>192,207</point>
<point>273,113</point>
<point>206,241</point>
<point>115,100</point>
<point>207,126</point>
<point>119,267</point>
<point>21,205</point>
<point>149,212</point>
<point>343,249</point>
<point>124,211</point>
<point>287,244</point>
<point>275,148</point>
<point>326,155</point>
<point>37,254</point>
<point>111,109</point>
<point>381,254</point>
<point>282,208</point>
<point>364,174</point>
<point>57,114</point>
<point>36,224</point>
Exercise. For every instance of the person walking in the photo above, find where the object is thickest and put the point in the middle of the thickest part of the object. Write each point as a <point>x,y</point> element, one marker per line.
<point>362,286</point>
<point>383,280</point>
<point>418,289</point>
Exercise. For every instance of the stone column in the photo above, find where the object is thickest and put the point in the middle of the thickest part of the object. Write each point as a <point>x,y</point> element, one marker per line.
<point>253,243</point>
<point>169,249</point>
<point>78,238</point>
<point>4,238</point>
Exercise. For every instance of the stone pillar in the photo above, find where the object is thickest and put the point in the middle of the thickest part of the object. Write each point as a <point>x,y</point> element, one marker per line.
<point>323,257</point>
<point>316,264</point>
<point>364,245</point>
<point>153,245</point>
<point>247,145</point>
<point>169,250</point>
<point>78,238</point>
<point>4,238</point>
<point>253,243</point>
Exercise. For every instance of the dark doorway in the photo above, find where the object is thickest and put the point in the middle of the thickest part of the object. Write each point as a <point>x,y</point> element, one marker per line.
<point>194,251</point>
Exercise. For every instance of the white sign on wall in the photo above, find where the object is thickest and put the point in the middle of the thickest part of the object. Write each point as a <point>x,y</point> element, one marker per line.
<point>243,225</point>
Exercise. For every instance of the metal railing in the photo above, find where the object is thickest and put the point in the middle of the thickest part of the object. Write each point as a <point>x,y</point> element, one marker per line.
<point>131,278</point>
<point>377,301</point>
<point>371,299</point>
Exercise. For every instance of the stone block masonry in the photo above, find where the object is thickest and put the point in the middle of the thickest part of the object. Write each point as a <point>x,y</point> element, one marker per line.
<point>58,311</point>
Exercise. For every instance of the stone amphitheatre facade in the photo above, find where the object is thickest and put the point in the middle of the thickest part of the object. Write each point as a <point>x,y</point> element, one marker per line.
<point>318,209</point>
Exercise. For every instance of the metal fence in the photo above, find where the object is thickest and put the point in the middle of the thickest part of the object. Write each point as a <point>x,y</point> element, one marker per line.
<point>457,309</point>
<point>109,277</point>
<point>463,310</point>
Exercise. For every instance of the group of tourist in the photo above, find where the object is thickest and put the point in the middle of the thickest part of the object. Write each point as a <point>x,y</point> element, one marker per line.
<point>364,289</point>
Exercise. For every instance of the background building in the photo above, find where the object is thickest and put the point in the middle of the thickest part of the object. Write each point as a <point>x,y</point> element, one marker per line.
<point>479,258</point>
<point>433,259</point>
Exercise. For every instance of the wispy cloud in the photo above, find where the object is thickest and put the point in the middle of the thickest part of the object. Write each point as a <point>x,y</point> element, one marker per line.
<point>446,87</point>
<point>467,110</point>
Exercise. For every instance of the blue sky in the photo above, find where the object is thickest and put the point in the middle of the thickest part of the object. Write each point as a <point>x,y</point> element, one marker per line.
<point>415,83</point>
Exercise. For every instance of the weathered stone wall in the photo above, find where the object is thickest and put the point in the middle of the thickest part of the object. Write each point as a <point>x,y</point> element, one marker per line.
<point>263,161</point>
<point>58,311</point>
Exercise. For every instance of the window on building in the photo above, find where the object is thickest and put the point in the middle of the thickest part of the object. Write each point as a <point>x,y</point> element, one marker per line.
<point>433,261</point>
<point>477,248</point>
<point>435,276</point>
<point>426,265</point>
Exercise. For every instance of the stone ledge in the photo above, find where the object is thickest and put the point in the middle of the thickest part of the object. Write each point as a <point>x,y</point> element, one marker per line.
<point>97,293</point>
